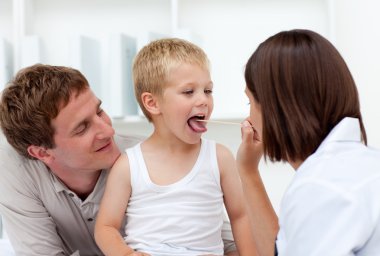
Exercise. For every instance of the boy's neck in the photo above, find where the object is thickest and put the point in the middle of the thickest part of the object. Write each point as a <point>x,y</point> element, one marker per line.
<point>169,161</point>
<point>170,143</point>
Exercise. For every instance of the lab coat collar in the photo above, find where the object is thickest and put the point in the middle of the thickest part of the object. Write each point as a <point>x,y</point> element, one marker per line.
<point>348,129</point>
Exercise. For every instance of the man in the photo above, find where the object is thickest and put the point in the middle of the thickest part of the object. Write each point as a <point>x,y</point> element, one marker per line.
<point>51,186</point>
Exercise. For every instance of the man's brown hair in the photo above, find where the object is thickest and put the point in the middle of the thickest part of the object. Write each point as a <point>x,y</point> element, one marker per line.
<point>304,88</point>
<point>32,99</point>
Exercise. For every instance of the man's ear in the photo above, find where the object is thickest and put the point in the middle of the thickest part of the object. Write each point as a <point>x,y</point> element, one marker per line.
<point>40,153</point>
<point>150,103</point>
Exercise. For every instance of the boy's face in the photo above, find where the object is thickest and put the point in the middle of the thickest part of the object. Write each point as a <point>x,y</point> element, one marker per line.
<point>186,99</point>
<point>83,136</point>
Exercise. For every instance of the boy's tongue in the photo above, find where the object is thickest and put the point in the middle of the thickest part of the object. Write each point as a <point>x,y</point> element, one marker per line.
<point>196,126</point>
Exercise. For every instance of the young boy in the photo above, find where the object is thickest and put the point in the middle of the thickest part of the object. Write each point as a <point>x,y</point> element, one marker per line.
<point>172,185</point>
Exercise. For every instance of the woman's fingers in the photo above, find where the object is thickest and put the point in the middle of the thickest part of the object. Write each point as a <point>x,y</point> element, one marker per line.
<point>250,150</point>
<point>247,131</point>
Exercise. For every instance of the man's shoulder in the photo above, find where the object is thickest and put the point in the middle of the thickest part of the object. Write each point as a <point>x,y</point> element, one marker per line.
<point>126,141</point>
<point>8,153</point>
<point>14,165</point>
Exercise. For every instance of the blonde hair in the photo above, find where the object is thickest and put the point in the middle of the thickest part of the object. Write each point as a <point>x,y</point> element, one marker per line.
<point>154,62</point>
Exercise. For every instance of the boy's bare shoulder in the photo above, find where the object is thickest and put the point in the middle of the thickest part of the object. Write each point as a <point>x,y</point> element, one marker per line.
<point>222,149</point>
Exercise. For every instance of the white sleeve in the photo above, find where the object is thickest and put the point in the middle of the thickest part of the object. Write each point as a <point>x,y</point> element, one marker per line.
<point>318,219</point>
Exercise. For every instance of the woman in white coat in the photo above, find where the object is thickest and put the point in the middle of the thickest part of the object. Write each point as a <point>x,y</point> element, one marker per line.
<point>304,110</point>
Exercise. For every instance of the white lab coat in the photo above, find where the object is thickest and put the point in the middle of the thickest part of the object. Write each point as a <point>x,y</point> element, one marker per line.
<point>332,206</point>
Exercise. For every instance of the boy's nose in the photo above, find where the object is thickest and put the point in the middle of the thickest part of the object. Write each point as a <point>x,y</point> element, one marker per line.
<point>202,99</point>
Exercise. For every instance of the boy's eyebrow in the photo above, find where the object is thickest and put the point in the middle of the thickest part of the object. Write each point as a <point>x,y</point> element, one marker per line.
<point>192,83</point>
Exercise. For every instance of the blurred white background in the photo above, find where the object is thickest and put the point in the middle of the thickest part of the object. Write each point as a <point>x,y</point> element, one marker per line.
<point>100,37</point>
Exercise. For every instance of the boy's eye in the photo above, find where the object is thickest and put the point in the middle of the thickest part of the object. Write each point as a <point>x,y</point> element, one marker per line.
<point>188,92</point>
<point>208,91</point>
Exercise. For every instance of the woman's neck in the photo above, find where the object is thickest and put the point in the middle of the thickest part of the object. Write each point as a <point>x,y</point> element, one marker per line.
<point>296,164</point>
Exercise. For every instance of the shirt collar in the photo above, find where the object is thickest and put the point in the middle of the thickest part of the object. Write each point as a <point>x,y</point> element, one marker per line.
<point>57,183</point>
<point>59,186</point>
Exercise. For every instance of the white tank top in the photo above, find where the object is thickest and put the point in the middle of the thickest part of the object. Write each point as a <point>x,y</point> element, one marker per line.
<point>183,218</point>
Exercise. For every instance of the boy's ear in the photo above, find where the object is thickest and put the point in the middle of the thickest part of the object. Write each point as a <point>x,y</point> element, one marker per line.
<point>150,103</point>
<point>40,153</point>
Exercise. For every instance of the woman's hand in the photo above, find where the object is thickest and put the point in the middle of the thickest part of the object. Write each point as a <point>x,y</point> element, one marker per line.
<point>251,149</point>
<point>262,215</point>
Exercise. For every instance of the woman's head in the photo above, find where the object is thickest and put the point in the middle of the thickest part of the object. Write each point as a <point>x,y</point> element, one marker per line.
<point>304,88</point>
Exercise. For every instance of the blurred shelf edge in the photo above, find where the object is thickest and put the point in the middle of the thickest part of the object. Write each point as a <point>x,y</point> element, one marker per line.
<point>224,133</point>
<point>138,119</point>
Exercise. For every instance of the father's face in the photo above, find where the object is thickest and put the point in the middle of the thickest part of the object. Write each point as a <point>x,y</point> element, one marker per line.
<point>83,136</point>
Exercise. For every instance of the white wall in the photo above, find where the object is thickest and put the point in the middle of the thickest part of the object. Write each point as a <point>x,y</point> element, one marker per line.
<point>6,51</point>
<point>231,31</point>
<point>358,39</point>
<point>56,21</point>
<point>228,31</point>
<point>6,19</point>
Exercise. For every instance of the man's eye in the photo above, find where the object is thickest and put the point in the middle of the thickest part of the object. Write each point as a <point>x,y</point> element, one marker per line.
<point>81,130</point>
<point>208,91</point>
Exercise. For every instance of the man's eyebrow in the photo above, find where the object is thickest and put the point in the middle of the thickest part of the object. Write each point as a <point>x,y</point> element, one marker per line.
<point>85,121</point>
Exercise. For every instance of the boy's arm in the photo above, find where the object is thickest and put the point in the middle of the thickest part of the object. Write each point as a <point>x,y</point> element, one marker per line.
<point>112,210</point>
<point>235,203</point>
<point>228,239</point>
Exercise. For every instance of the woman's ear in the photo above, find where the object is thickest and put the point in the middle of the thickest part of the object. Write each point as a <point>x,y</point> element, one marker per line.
<point>40,153</point>
<point>150,103</point>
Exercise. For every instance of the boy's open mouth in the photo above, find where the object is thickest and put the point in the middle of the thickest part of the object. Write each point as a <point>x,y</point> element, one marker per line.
<point>195,125</point>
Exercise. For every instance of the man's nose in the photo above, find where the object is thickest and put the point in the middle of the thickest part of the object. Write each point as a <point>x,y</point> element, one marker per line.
<point>104,129</point>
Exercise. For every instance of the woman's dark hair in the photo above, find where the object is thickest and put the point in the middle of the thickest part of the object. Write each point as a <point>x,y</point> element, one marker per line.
<point>304,88</point>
